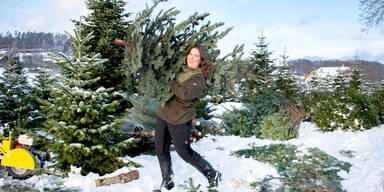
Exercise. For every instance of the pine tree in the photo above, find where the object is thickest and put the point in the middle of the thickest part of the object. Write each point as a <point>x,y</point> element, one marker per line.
<point>258,74</point>
<point>155,52</point>
<point>85,132</point>
<point>106,21</point>
<point>344,106</point>
<point>377,99</point>
<point>42,83</point>
<point>286,82</point>
<point>40,91</point>
<point>340,82</point>
<point>16,102</point>
<point>355,78</point>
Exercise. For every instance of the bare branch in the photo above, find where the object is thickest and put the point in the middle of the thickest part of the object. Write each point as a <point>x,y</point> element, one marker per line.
<point>372,15</point>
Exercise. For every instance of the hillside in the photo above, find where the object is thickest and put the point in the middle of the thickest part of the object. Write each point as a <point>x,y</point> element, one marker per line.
<point>26,41</point>
<point>32,48</point>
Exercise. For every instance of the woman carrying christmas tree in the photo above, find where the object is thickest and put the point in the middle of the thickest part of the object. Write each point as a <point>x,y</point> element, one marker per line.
<point>174,121</point>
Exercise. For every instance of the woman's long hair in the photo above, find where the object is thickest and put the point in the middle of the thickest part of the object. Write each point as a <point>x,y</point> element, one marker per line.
<point>205,63</point>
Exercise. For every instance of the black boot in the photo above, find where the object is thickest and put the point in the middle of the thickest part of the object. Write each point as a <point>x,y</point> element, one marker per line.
<point>167,174</point>
<point>207,170</point>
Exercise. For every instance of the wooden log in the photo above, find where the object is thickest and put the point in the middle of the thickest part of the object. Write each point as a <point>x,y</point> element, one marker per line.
<point>54,172</point>
<point>119,42</point>
<point>122,178</point>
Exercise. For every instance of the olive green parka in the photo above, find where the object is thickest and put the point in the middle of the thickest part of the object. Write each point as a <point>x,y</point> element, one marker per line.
<point>187,90</point>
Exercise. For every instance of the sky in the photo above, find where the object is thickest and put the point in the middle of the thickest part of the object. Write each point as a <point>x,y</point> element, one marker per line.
<point>302,28</point>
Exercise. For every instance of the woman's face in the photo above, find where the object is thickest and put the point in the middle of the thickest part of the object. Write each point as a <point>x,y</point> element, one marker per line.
<point>193,58</point>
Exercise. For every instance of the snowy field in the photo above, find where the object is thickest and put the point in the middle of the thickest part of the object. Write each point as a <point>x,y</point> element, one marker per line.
<point>366,173</point>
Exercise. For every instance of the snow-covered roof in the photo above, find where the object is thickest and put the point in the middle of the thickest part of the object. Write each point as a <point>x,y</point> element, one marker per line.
<point>324,72</point>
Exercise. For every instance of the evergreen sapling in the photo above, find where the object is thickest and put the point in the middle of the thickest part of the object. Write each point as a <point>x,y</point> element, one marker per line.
<point>85,131</point>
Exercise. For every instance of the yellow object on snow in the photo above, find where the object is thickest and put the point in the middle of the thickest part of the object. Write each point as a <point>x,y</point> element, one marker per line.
<point>7,145</point>
<point>20,158</point>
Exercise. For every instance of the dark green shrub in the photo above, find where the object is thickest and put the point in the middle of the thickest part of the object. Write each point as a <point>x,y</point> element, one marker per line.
<point>377,99</point>
<point>349,111</point>
<point>240,122</point>
<point>246,122</point>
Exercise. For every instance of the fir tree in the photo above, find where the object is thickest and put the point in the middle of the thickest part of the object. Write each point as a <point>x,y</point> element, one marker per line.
<point>85,132</point>
<point>340,82</point>
<point>155,52</point>
<point>377,99</point>
<point>258,74</point>
<point>106,21</point>
<point>43,81</point>
<point>285,80</point>
<point>355,78</point>
<point>16,103</point>
<point>40,91</point>
<point>344,106</point>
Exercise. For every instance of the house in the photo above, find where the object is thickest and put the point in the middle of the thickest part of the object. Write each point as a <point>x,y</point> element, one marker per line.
<point>327,72</point>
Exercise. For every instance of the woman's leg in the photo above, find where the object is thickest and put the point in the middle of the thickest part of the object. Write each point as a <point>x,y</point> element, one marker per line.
<point>162,144</point>
<point>181,140</point>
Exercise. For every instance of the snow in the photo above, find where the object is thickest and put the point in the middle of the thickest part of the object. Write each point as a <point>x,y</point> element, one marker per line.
<point>327,72</point>
<point>218,110</point>
<point>324,72</point>
<point>228,106</point>
<point>366,173</point>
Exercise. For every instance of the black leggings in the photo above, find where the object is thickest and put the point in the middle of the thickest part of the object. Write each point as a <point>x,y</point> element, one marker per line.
<point>180,135</point>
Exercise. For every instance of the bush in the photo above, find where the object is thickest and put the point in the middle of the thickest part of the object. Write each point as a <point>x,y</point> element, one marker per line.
<point>377,99</point>
<point>277,126</point>
<point>246,122</point>
<point>348,111</point>
<point>240,122</point>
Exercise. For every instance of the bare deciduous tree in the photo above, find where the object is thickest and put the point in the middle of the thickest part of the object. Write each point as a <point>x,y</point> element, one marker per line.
<point>372,15</point>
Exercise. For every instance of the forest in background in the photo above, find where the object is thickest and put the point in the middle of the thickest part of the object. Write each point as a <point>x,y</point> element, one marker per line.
<point>37,42</point>
<point>34,41</point>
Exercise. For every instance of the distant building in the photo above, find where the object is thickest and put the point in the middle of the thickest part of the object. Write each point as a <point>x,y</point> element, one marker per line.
<point>328,72</point>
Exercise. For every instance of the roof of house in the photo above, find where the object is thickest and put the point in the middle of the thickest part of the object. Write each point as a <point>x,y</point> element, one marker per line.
<point>324,72</point>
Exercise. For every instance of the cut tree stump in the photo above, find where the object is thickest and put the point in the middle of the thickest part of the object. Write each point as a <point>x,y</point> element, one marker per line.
<point>122,178</point>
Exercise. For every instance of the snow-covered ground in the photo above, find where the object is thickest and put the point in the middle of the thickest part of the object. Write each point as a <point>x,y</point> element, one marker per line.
<point>366,173</point>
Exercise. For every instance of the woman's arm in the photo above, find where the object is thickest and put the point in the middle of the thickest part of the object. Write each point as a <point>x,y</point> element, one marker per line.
<point>190,89</point>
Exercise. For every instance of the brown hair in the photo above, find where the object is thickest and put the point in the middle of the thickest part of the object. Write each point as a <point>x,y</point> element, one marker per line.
<point>205,63</point>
